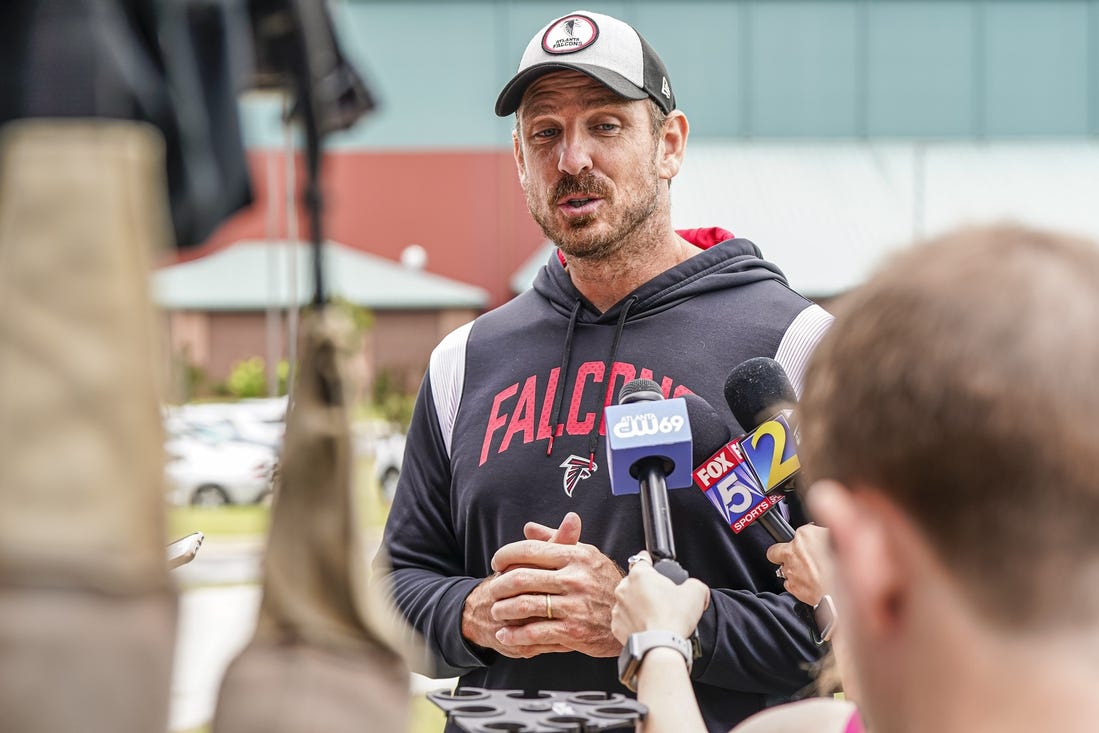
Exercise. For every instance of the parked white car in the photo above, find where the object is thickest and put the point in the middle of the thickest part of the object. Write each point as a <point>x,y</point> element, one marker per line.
<point>261,421</point>
<point>227,453</point>
<point>206,470</point>
<point>385,444</point>
<point>388,458</point>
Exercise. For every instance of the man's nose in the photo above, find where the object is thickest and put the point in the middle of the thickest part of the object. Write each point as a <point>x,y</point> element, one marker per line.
<point>575,154</point>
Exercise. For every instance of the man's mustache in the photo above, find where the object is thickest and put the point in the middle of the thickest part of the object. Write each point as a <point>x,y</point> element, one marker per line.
<point>585,184</point>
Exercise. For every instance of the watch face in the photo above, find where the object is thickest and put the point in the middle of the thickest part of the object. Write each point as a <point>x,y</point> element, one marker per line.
<point>824,616</point>
<point>628,663</point>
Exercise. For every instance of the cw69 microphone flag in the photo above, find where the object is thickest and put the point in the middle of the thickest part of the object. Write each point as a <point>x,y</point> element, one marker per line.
<point>648,429</point>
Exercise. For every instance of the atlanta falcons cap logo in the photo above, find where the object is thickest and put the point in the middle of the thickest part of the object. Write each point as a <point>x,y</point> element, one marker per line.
<point>577,468</point>
<point>570,34</point>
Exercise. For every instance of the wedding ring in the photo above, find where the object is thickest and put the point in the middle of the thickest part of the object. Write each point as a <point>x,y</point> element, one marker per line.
<point>549,608</point>
<point>634,559</point>
<point>779,573</point>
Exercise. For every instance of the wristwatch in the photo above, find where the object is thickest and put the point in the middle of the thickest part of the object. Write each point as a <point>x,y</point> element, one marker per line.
<point>824,615</point>
<point>639,644</point>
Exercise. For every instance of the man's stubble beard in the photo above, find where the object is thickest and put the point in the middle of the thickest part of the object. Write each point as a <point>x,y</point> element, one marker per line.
<point>574,238</point>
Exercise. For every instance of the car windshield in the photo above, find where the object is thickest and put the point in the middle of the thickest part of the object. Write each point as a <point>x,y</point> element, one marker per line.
<point>211,434</point>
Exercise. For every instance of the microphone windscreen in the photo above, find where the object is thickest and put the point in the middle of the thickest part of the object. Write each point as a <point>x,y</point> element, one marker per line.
<point>757,389</point>
<point>708,431</point>
<point>638,390</point>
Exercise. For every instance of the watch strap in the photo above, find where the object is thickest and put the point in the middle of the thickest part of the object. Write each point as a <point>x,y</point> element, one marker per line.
<point>641,643</point>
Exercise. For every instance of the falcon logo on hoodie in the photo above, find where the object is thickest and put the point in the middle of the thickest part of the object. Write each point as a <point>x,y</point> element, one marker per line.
<point>577,469</point>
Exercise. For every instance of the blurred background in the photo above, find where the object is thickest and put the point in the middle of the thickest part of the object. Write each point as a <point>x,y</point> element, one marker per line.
<point>827,131</point>
<point>830,132</point>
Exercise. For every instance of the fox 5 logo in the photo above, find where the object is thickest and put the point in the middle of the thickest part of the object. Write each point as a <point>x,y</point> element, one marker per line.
<point>736,494</point>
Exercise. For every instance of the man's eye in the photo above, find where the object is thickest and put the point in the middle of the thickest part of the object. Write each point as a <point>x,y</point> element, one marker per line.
<point>546,133</point>
<point>607,127</point>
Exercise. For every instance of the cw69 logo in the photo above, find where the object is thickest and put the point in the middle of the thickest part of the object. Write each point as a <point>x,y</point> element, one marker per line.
<point>636,426</point>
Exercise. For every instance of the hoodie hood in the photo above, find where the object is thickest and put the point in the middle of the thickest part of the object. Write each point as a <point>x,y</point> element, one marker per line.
<point>725,262</point>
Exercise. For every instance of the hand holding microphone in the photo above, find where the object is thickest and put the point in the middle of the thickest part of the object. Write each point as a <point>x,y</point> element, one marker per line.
<point>804,563</point>
<point>652,443</point>
<point>645,600</point>
<point>653,610</point>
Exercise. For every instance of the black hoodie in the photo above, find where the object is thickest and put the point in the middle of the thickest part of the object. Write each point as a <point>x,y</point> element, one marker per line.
<point>480,462</point>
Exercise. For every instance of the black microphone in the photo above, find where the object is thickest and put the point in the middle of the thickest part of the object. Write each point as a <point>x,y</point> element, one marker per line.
<point>756,390</point>
<point>705,430</point>
<point>709,431</point>
<point>723,475</point>
<point>762,399</point>
<point>651,471</point>
<point>726,480</point>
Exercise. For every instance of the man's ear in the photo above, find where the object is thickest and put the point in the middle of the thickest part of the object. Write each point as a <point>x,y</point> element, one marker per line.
<point>672,144</point>
<point>520,162</point>
<point>871,574</point>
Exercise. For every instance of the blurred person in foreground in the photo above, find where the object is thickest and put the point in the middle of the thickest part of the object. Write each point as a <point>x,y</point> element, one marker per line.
<point>949,419</point>
<point>507,434</point>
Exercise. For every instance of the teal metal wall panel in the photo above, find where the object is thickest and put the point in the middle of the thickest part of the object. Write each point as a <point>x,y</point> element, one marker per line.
<point>431,63</point>
<point>920,68</point>
<point>702,44</point>
<point>955,69</point>
<point>804,69</point>
<point>261,121</point>
<point>1093,68</point>
<point>1036,64</point>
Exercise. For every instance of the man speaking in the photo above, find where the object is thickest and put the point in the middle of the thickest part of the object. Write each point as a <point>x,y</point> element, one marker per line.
<point>507,438</point>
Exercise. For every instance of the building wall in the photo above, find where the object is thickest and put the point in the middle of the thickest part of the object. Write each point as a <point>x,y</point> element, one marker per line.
<point>464,207</point>
<point>969,69</point>
<point>399,343</point>
<point>234,337</point>
<point>433,165</point>
<point>189,336</point>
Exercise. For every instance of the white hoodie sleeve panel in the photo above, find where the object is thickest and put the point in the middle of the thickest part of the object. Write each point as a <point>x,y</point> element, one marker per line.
<point>799,341</point>
<point>448,372</point>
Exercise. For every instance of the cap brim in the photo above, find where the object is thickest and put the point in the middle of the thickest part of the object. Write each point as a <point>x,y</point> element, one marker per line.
<point>512,95</point>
